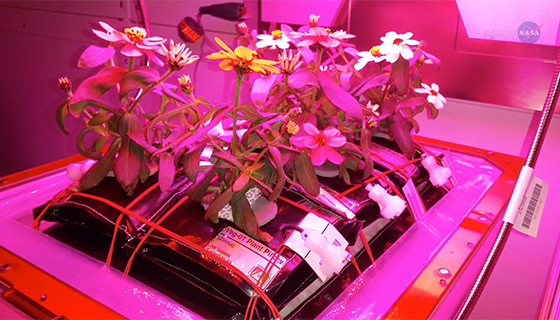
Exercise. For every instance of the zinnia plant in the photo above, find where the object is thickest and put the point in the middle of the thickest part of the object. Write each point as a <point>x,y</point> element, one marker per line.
<point>318,105</point>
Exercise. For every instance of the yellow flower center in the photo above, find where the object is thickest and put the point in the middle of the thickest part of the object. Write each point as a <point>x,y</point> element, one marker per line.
<point>321,140</point>
<point>329,31</point>
<point>276,34</point>
<point>375,51</point>
<point>135,34</point>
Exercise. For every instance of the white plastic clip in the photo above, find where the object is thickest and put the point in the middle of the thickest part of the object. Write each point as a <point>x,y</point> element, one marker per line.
<point>438,175</point>
<point>75,171</point>
<point>333,258</point>
<point>391,206</point>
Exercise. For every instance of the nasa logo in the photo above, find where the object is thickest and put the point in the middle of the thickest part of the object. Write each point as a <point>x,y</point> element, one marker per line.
<point>529,32</point>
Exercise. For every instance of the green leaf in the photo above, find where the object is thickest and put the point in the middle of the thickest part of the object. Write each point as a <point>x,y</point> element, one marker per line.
<point>302,78</point>
<point>261,89</point>
<point>339,97</point>
<point>399,72</point>
<point>433,112</point>
<point>305,173</point>
<point>61,113</point>
<point>218,204</point>
<point>365,141</point>
<point>140,77</point>
<point>400,128</point>
<point>77,108</point>
<point>166,171</point>
<point>250,112</point>
<point>81,147</point>
<point>372,80</point>
<point>98,119</point>
<point>95,86</point>
<point>100,169</point>
<point>191,162</point>
<point>244,218</point>
<point>229,158</point>
<point>94,56</point>
<point>128,164</point>
<point>198,189</point>
<point>241,181</point>
<point>99,143</point>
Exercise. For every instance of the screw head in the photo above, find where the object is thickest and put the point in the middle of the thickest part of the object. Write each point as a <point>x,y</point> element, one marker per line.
<point>5,267</point>
<point>44,297</point>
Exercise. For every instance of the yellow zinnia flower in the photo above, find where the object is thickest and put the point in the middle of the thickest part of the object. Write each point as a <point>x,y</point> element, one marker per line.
<point>242,60</point>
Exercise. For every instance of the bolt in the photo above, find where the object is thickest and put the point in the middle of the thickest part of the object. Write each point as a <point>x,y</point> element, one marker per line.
<point>5,267</point>
<point>44,297</point>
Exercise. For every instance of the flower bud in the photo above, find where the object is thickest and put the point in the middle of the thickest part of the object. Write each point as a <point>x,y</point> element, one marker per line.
<point>186,84</point>
<point>241,28</point>
<point>313,20</point>
<point>290,128</point>
<point>64,84</point>
<point>371,123</point>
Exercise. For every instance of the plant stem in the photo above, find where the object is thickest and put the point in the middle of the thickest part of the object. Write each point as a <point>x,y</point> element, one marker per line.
<point>150,88</point>
<point>317,65</point>
<point>130,63</point>
<point>235,138</point>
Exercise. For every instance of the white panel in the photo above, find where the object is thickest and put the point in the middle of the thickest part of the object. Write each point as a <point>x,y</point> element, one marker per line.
<point>105,8</point>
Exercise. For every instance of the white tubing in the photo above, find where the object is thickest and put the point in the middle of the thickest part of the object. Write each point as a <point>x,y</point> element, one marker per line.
<point>517,197</point>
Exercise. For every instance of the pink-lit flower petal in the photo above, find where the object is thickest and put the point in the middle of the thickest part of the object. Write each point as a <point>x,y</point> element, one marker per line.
<point>106,36</point>
<point>331,132</point>
<point>319,155</point>
<point>311,129</point>
<point>107,27</point>
<point>333,155</point>
<point>329,42</point>
<point>306,42</point>
<point>427,87</point>
<point>152,57</point>
<point>131,51</point>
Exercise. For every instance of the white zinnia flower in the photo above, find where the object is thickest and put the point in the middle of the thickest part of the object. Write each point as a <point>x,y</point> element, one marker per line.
<point>434,97</point>
<point>367,56</point>
<point>276,39</point>
<point>395,44</point>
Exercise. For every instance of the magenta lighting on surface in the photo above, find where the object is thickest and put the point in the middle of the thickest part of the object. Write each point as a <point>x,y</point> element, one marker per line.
<point>521,21</point>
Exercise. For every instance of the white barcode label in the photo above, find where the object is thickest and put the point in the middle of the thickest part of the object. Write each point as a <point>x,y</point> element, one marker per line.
<point>531,208</point>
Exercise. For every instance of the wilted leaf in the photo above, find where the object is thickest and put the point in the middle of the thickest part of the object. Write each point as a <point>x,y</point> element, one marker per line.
<point>140,77</point>
<point>99,143</point>
<point>400,128</point>
<point>191,162</point>
<point>94,56</point>
<point>100,169</point>
<point>128,164</point>
<point>218,204</point>
<point>305,173</point>
<point>399,72</point>
<point>166,171</point>
<point>244,218</point>
<point>198,189</point>
<point>339,97</point>
<point>81,147</point>
<point>250,113</point>
<point>95,86</point>
<point>61,113</point>
<point>98,119</point>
